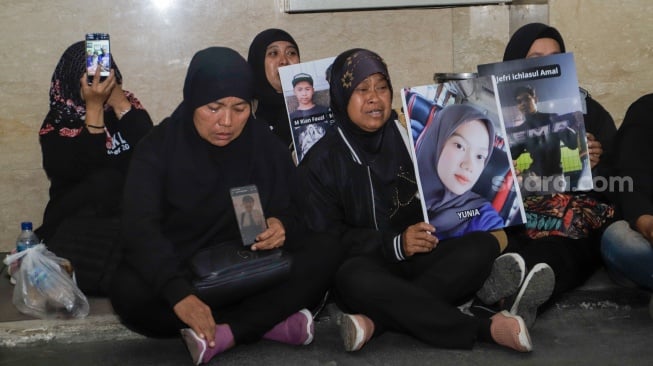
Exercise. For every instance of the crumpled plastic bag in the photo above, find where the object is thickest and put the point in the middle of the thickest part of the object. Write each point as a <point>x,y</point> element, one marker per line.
<point>43,287</point>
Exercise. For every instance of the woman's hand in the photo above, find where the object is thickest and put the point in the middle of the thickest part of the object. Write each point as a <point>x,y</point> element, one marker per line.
<point>94,96</point>
<point>644,225</point>
<point>594,149</point>
<point>197,315</point>
<point>419,238</point>
<point>98,91</point>
<point>273,237</point>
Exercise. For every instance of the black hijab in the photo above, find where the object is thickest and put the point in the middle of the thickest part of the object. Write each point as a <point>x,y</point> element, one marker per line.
<point>383,150</point>
<point>522,40</point>
<point>254,157</point>
<point>271,104</point>
<point>215,73</point>
<point>348,70</point>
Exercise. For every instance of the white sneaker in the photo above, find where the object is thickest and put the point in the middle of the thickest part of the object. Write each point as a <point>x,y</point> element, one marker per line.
<point>510,331</point>
<point>196,345</point>
<point>353,332</point>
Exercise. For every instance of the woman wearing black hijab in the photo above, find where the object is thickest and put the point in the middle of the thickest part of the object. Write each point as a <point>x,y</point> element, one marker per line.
<point>177,201</point>
<point>271,49</point>
<point>537,39</point>
<point>572,259</point>
<point>358,183</point>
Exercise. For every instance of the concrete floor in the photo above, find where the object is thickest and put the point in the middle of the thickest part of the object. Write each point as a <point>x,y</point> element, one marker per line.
<point>608,334</point>
<point>598,324</point>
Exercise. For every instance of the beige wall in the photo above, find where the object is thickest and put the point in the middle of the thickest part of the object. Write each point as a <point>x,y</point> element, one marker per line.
<point>612,45</point>
<point>153,47</point>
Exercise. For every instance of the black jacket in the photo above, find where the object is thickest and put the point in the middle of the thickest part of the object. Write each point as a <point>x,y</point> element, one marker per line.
<point>338,197</point>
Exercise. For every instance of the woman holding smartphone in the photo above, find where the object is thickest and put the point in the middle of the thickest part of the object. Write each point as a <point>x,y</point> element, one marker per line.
<point>87,139</point>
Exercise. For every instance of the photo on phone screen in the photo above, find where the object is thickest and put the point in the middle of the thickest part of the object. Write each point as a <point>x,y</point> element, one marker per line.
<point>249,213</point>
<point>98,54</point>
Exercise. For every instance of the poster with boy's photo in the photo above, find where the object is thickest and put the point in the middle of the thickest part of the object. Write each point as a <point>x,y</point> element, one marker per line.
<point>543,112</point>
<point>465,176</point>
<point>306,92</point>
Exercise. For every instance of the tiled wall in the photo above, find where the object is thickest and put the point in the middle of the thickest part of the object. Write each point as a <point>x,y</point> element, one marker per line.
<point>153,41</point>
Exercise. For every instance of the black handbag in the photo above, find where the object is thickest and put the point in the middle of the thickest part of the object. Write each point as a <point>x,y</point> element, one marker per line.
<point>228,272</point>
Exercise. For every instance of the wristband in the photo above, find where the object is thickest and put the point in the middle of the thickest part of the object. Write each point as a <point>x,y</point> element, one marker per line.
<point>98,127</point>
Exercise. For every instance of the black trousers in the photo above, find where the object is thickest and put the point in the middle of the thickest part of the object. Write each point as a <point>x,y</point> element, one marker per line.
<point>313,268</point>
<point>97,195</point>
<point>573,260</point>
<point>420,295</point>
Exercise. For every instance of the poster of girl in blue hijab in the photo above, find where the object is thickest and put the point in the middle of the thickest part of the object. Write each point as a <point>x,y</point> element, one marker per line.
<point>465,177</point>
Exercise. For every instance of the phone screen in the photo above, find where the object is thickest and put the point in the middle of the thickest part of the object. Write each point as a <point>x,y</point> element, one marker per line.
<point>98,54</point>
<point>249,212</point>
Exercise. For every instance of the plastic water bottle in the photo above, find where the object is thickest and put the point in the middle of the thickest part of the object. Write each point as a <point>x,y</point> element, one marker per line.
<point>58,296</point>
<point>27,238</point>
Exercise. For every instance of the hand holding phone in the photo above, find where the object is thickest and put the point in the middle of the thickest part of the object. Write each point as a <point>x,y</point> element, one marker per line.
<point>95,90</point>
<point>98,55</point>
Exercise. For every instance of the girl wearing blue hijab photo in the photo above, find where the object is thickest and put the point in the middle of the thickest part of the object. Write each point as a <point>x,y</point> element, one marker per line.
<point>451,155</point>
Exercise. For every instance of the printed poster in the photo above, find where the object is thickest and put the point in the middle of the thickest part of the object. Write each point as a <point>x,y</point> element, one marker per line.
<point>543,112</point>
<point>306,91</point>
<point>465,175</point>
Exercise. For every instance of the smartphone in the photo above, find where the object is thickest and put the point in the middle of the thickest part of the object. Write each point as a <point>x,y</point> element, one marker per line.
<point>249,213</point>
<point>98,54</point>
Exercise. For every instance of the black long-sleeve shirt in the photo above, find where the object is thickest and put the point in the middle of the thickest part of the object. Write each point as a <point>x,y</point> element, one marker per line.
<point>70,155</point>
<point>177,199</point>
